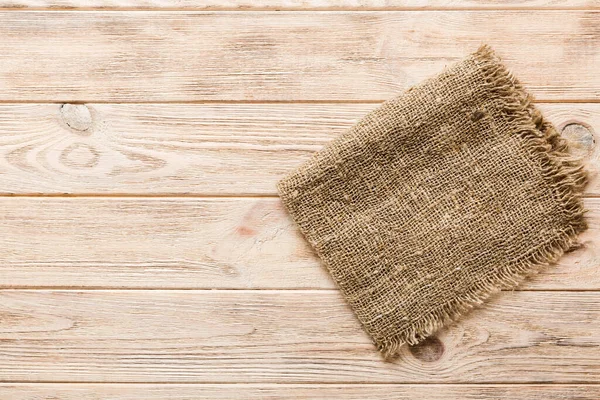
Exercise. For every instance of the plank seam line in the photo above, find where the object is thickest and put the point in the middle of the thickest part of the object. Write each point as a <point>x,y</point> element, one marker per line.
<point>259,102</point>
<point>163,196</point>
<point>141,196</point>
<point>284,384</point>
<point>231,290</point>
<point>293,9</point>
<point>308,383</point>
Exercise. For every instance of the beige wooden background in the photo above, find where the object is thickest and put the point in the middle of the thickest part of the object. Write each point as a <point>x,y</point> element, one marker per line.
<point>144,253</point>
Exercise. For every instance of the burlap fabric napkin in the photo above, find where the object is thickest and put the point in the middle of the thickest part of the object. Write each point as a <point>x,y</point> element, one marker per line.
<point>440,197</point>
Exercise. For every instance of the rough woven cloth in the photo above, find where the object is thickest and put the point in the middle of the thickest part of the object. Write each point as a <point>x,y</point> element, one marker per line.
<point>438,198</point>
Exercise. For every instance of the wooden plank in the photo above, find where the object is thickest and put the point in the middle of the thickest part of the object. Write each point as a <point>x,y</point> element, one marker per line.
<point>193,243</point>
<point>285,336</point>
<point>166,243</point>
<point>298,4</point>
<point>223,56</point>
<point>192,148</point>
<point>296,391</point>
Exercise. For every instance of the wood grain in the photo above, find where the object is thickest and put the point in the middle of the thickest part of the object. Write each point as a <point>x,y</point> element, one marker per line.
<point>298,4</point>
<point>193,243</point>
<point>166,243</point>
<point>199,149</point>
<point>285,336</point>
<point>296,391</point>
<point>283,56</point>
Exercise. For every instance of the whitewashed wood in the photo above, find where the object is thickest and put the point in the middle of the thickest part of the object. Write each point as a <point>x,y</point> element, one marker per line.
<point>162,148</point>
<point>193,243</point>
<point>285,336</point>
<point>268,391</point>
<point>299,4</point>
<point>191,148</point>
<point>196,56</point>
<point>165,243</point>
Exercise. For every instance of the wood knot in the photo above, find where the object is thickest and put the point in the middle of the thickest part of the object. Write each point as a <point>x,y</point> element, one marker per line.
<point>245,231</point>
<point>429,350</point>
<point>580,138</point>
<point>77,116</point>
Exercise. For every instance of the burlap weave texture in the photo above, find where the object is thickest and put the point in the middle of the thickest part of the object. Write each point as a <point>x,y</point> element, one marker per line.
<point>438,198</point>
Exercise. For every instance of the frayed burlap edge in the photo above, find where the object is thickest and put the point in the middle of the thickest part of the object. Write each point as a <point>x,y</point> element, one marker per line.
<point>563,173</point>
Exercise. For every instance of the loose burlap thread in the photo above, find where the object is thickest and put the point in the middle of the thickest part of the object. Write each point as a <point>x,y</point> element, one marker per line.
<point>437,199</point>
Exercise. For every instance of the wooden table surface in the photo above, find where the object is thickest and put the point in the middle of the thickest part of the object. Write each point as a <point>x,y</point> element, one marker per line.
<point>145,254</point>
